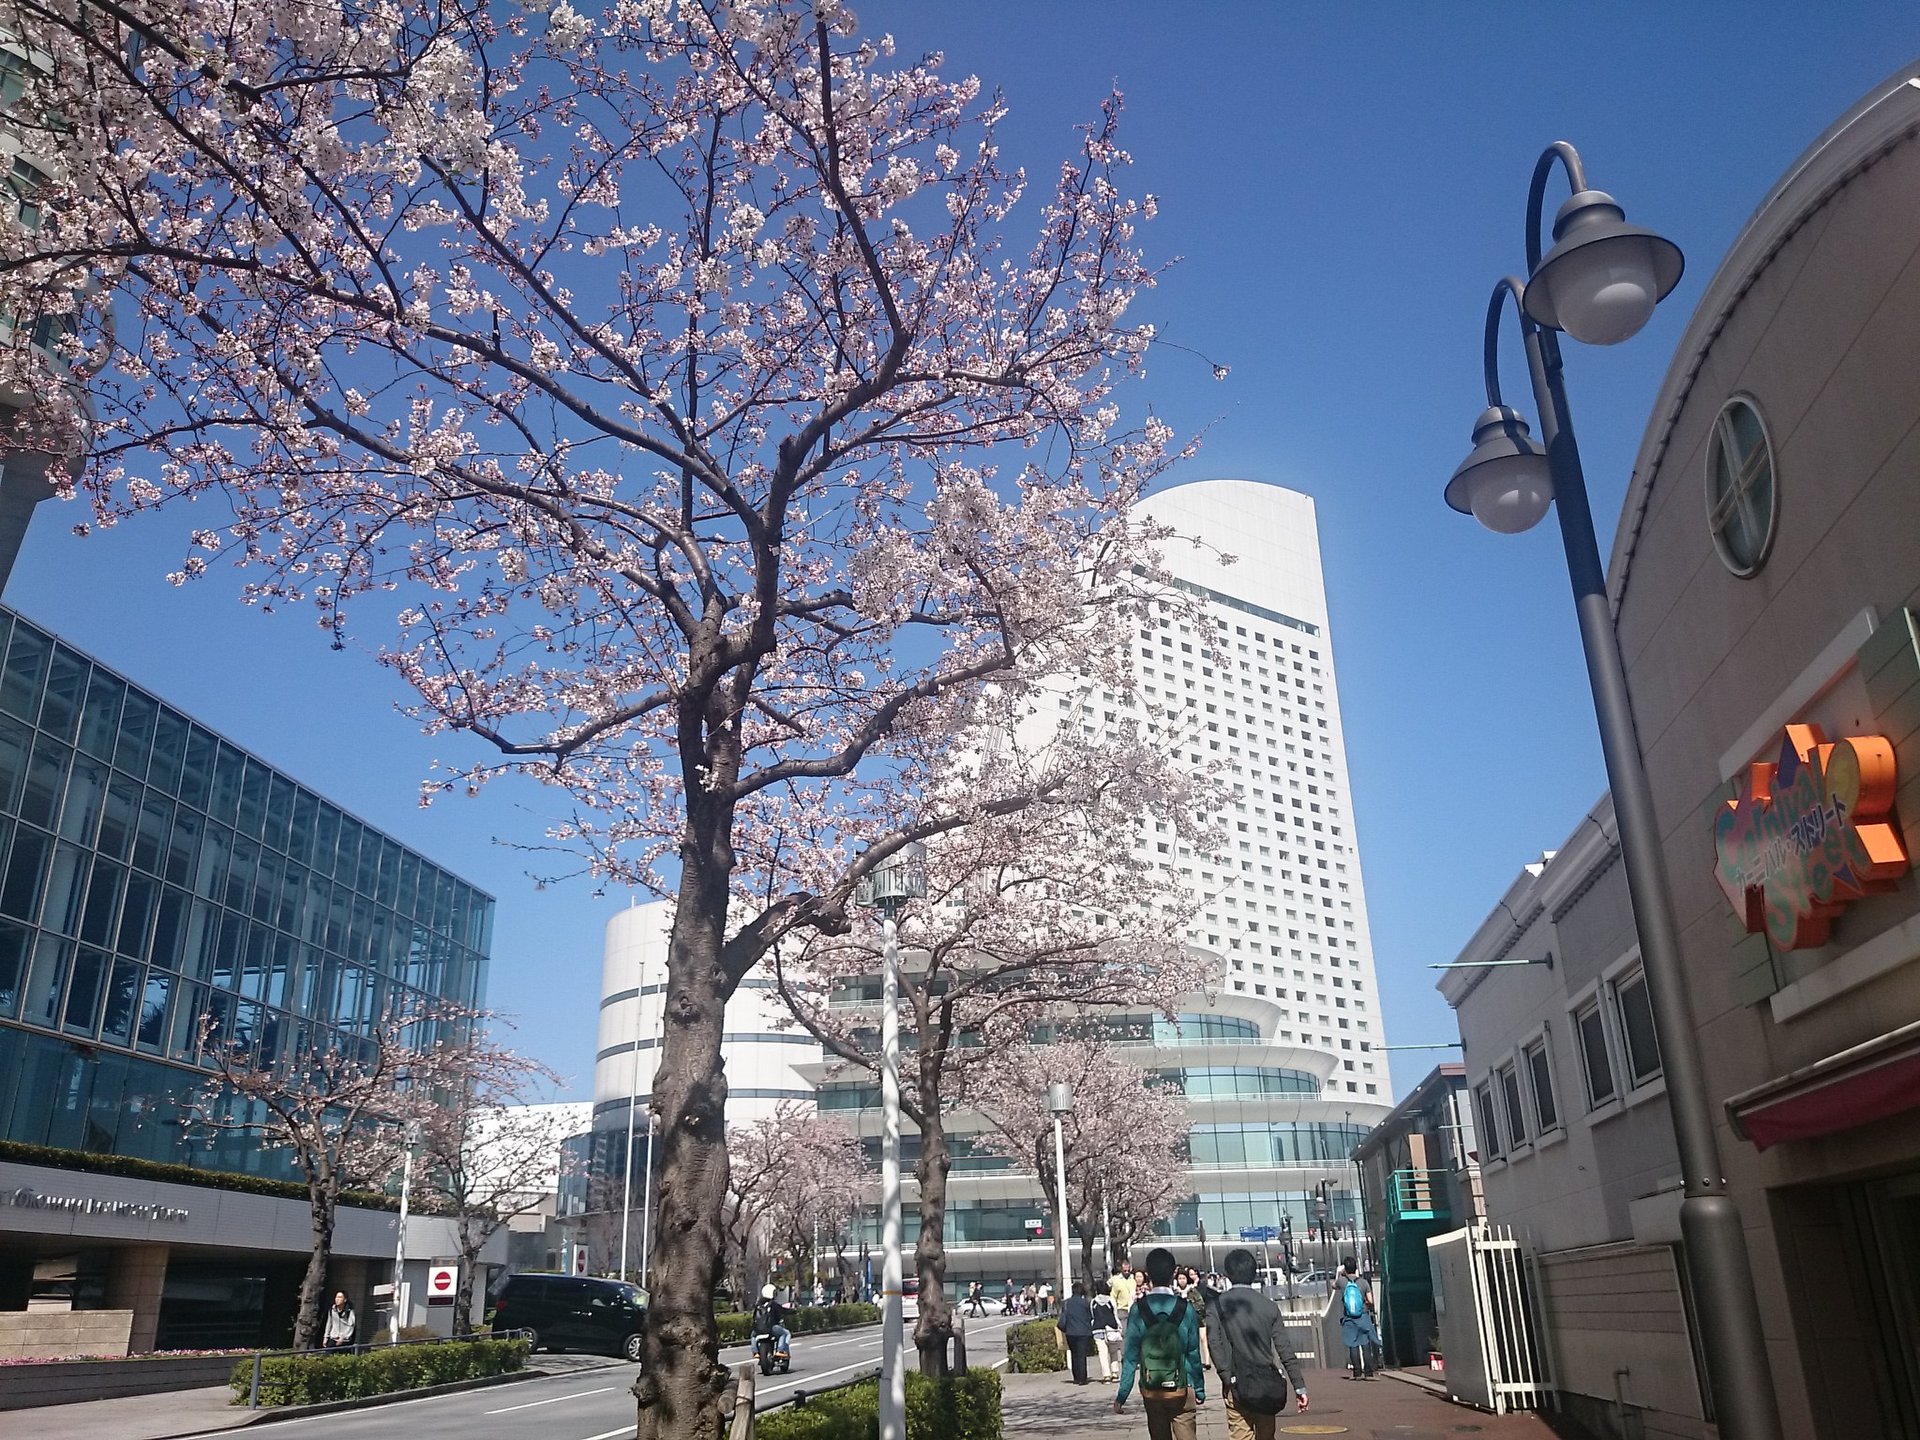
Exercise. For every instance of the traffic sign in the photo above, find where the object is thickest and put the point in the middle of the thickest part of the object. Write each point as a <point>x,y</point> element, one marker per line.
<point>1260,1232</point>
<point>442,1282</point>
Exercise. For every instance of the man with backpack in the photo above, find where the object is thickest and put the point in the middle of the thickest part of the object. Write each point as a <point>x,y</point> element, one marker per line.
<point>1357,1330</point>
<point>1163,1348</point>
<point>1250,1353</point>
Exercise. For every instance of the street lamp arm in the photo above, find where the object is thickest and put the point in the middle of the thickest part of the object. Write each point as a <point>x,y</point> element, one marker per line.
<point>1569,157</point>
<point>1508,285</point>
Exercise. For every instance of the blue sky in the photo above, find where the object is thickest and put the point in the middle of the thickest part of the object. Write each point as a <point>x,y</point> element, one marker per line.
<point>1343,184</point>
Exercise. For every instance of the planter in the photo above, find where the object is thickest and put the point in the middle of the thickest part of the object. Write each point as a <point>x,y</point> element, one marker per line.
<point>66,1382</point>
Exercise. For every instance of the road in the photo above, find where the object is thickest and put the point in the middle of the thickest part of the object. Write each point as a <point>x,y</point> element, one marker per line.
<point>594,1403</point>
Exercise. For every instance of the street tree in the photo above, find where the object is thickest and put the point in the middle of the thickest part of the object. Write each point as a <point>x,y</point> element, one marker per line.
<point>487,1152</point>
<point>1125,1138</point>
<point>340,1109</point>
<point>650,385</point>
<point>1033,919</point>
<point>793,1175</point>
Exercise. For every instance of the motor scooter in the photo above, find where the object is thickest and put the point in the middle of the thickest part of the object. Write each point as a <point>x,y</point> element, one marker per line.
<point>766,1351</point>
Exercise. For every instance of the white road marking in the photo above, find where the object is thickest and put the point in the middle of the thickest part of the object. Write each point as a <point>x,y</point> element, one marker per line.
<point>801,1381</point>
<point>620,1434</point>
<point>555,1400</point>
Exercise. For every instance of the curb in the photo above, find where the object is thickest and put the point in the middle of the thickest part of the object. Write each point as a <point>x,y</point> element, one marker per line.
<point>266,1416</point>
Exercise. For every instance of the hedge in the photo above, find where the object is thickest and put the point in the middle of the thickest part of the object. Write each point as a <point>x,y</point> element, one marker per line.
<point>316,1379</point>
<point>958,1407</point>
<point>129,1168</point>
<point>807,1320</point>
<point>1033,1347</point>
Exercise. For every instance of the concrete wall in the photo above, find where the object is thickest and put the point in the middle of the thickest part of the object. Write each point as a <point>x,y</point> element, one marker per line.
<point>29,1386</point>
<point>26,1334</point>
<point>1825,339</point>
<point>1618,1329</point>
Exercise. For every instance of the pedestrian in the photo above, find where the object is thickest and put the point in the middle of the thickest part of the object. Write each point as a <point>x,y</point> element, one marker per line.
<point>1076,1324</point>
<point>1163,1348</point>
<point>341,1323</point>
<point>1252,1354</point>
<point>1357,1330</point>
<point>1122,1289</point>
<point>1106,1334</point>
<point>976,1305</point>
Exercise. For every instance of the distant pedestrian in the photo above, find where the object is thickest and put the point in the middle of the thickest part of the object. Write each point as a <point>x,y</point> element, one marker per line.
<point>1163,1348</point>
<point>1076,1325</point>
<point>1106,1334</point>
<point>1122,1289</point>
<point>1250,1353</point>
<point>1357,1330</point>
<point>341,1324</point>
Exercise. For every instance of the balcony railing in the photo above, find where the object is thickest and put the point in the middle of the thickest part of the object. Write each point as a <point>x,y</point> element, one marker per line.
<point>1417,1195</point>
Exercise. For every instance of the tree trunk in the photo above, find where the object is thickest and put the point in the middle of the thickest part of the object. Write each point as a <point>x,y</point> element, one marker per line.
<point>1087,1237</point>
<point>682,1386</point>
<point>470,1247</point>
<point>307,1321</point>
<point>935,1326</point>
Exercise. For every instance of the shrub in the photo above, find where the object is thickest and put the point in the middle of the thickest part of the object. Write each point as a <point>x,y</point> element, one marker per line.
<point>316,1379</point>
<point>959,1407</point>
<point>1033,1347</point>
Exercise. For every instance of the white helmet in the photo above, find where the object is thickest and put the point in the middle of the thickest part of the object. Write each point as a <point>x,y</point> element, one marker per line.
<point>766,1292</point>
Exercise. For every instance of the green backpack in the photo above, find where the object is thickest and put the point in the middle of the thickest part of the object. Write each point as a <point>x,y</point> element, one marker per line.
<point>1163,1353</point>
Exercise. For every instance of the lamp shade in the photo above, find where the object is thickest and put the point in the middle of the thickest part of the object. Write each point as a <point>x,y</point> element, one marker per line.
<point>1505,483</point>
<point>1059,1097</point>
<point>902,876</point>
<point>1603,276</point>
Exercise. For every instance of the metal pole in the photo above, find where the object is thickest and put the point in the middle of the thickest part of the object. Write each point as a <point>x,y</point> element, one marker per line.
<point>1732,1333</point>
<point>1060,1199</point>
<point>646,1209</point>
<point>633,1101</point>
<point>893,1387</point>
<point>400,1240</point>
<point>1106,1234</point>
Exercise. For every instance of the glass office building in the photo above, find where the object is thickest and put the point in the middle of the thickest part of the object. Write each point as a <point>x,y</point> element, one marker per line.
<point>152,874</point>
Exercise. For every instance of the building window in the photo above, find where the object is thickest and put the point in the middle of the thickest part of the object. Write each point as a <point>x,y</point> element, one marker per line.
<point>1639,1046</point>
<point>1743,503</point>
<point>1546,1106</point>
<point>1593,1056</point>
<point>1489,1125</point>
<point>1516,1111</point>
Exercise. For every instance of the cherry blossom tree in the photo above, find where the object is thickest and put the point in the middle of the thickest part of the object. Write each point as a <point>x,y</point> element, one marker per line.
<point>1032,918</point>
<point>1125,1138</point>
<point>340,1108</point>
<point>792,1175</point>
<point>487,1153</point>
<point>651,385</point>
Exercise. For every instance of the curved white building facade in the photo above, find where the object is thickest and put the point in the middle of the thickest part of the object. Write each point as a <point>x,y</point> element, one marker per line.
<point>762,1058</point>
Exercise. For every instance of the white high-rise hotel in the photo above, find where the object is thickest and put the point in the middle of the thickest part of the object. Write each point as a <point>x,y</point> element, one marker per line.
<point>1285,905</point>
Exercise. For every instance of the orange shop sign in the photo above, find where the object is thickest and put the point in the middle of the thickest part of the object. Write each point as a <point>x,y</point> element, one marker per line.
<point>1811,833</point>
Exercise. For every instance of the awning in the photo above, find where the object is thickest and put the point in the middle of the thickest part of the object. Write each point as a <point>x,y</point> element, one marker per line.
<point>1858,1086</point>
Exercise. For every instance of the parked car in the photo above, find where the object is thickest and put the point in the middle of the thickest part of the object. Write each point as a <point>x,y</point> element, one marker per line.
<point>572,1312</point>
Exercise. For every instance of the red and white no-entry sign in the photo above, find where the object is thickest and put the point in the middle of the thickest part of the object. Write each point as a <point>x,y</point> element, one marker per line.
<point>442,1281</point>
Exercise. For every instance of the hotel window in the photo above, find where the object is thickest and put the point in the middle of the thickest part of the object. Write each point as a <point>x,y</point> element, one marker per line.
<point>1516,1111</point>
<point>1743,502</point>
<point>1639,1046</point>
<point>1593,1055</point>
<point>1546,1106</point>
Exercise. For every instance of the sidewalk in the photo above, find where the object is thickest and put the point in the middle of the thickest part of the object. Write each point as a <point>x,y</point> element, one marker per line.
<point>190,1412</point>
<point>1051,1407</point>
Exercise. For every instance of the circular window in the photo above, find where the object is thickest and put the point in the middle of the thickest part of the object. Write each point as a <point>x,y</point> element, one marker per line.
<point>1743,501</point>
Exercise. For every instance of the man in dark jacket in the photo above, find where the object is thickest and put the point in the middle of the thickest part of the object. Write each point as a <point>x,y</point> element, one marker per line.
<point>1249,1341</point>
<point>1076,1327</point>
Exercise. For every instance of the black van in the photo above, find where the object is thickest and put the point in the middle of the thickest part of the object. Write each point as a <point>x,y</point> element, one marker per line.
<point>572,1312</point>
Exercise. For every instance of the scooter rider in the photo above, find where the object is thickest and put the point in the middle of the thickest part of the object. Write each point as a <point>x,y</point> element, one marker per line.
<point>767,1316</point>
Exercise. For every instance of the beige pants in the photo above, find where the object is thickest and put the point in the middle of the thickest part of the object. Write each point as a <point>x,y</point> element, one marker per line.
<point>1108,1352</point>
<point>1246,1425</point>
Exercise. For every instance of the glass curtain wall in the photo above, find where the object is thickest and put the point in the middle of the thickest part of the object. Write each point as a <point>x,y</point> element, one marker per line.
<point>151,874</point>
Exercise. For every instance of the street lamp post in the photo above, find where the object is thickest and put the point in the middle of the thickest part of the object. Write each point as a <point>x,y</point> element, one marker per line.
<point>1600,283</point>
<point>400,1237</point>
<point>633,1101</point>
<point>1060,1105</point>
<point>900,877</point>
<point>646,1205</point>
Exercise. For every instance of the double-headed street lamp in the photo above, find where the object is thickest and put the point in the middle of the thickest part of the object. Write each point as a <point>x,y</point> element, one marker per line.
<point>901,877</point>
<point>1600,283</point>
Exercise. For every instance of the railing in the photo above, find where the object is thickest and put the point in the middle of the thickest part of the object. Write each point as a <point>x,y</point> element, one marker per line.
<point>261,1356</point>
<point>1416,1195</point>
